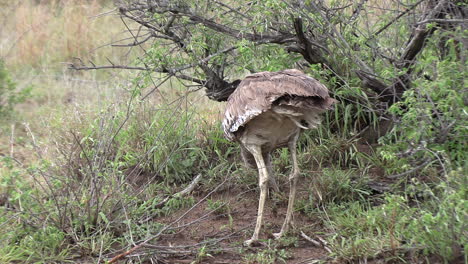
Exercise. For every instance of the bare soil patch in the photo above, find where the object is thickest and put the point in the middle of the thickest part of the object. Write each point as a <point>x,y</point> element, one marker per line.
<point>233,224</point>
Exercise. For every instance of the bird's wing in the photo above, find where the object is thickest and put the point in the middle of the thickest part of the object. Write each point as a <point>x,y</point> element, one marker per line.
<point>258,92</point>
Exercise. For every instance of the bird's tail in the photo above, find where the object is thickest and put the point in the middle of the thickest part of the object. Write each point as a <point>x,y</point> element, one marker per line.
<point>303,118</point>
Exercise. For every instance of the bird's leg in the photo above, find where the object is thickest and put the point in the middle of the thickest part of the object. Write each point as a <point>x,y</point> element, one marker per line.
<point>271,177</point>
<point>292,183</point>
<point>263,182</point>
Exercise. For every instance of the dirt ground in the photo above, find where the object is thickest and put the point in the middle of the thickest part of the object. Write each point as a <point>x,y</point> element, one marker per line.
<point>233,224</point>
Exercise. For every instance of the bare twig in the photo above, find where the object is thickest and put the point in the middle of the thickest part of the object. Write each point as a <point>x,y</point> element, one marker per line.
<point>357,11</point>
<point>12,140</point>
<point>413,170</point>
<point>104,13</point>
<point>324,243</point>
<point>135,43</point>
<point>156,87</point>
<point>448,21</point>
<point>34,143</point>
<point>321,243</point>
<point>382,29</point>
<point>180,194</point>
<point>232,9</point>
<point>306,237</point>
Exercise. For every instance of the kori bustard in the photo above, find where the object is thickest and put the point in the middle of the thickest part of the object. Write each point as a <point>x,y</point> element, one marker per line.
<point>268,110</point>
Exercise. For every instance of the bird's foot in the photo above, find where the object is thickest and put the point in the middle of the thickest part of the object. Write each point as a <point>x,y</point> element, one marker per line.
<point>278,235</point>
<point>252,243</point>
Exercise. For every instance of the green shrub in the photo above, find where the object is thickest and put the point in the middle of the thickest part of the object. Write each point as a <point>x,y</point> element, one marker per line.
<point>360,231</point>
<point>104,185</point>
<point>440,226</point>
<point>435,228</point>
<point>9,96</point>
<point>433,121</point>
<point>26,235</point>
<point>334,186</point>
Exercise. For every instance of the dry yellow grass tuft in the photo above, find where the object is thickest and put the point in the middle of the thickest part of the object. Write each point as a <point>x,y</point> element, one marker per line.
<point>45,33</point>
<point>36,38</point>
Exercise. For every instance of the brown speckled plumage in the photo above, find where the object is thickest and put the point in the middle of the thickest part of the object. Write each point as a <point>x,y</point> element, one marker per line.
<point>268,110</point>
<point>258,92</point>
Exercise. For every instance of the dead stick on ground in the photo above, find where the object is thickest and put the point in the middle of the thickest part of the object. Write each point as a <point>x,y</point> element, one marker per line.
<point>185,191</point>
<point>316,243</point>
<point>324,243</point>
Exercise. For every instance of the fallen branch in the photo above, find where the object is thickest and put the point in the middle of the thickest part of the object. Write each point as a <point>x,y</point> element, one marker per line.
<point>311,240</point>
<point>324,243</point>
<point>413,170</point>
<point>185,191</point>
<point>180,194</point>
<point>316,243</point>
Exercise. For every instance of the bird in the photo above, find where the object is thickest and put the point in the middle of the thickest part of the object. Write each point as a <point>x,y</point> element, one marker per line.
<point>267,111</point>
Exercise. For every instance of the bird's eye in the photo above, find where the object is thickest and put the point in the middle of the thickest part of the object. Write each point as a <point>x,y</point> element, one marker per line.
<point>304,123</point>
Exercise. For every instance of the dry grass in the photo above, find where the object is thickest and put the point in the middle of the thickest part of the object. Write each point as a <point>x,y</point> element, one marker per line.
<point>37,38</point>
<point>46,33</point>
